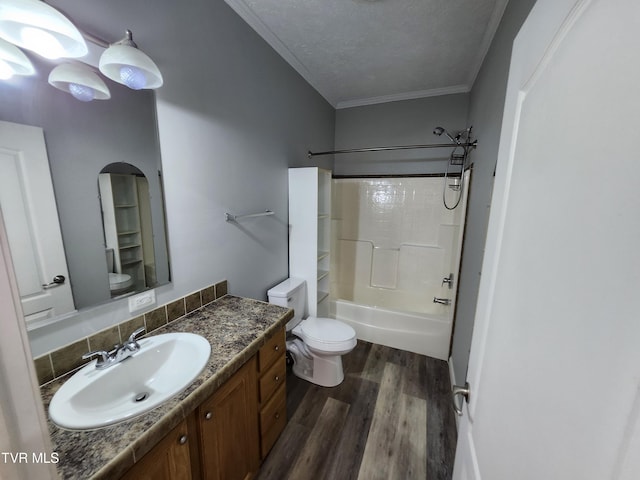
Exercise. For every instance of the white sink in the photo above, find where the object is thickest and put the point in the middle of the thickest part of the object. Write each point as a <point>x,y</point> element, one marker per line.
<point>163,367</point>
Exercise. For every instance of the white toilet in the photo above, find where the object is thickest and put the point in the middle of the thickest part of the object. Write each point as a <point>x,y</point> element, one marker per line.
<point>317,352</point>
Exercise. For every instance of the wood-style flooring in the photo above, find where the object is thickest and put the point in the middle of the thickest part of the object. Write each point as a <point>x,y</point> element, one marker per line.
<point>391,418</point>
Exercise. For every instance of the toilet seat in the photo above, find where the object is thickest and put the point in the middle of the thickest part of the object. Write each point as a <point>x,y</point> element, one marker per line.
<point>326,335</point>
<point>119,281</point>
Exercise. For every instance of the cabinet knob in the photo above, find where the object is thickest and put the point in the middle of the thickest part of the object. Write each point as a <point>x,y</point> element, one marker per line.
<point>277,348</point>
<point>276,378</point>
<point>182,440</point>
<point>208,416</point>
<point>277,416</point>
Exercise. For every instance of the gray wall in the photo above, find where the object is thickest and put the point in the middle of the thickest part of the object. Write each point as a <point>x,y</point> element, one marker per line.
<point>232,117</point>
<point>406,122</point>
<point>228,135</point>
<point>411,122</point>
<point>82,138</point>
<point>485,114</point>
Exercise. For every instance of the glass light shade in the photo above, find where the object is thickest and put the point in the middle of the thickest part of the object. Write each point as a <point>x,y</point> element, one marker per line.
<point>80,81</point>
<point>13,61</point>
<point>36,26</point>
<point>130,66</point>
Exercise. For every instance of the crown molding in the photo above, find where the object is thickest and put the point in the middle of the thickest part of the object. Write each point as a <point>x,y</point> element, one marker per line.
<point>248,15</point>
<point>396,97</point>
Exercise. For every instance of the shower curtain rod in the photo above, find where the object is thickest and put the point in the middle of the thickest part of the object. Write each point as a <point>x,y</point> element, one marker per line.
<point>473,144</point>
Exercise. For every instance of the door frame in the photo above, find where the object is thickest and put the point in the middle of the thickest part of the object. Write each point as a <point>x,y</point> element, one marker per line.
<point>551,20</point>
<point>23,425</point>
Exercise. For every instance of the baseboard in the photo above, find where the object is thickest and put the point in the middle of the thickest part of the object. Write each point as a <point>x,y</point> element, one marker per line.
<point>452,379</point>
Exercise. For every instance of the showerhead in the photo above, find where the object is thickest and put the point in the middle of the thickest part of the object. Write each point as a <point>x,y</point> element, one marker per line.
<point>439,131</point>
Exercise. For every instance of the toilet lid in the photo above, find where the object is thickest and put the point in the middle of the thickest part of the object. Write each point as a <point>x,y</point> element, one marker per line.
<point>325,331</point>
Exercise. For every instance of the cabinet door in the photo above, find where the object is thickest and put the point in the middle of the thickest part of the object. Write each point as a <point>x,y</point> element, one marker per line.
<point>229,428</point>
<point>168,460</point>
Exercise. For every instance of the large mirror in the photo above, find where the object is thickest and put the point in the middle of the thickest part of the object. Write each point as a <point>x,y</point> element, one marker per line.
<point>90,144</point>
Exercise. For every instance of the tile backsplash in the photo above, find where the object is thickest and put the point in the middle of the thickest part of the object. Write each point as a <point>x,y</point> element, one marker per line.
<point>60,362</point>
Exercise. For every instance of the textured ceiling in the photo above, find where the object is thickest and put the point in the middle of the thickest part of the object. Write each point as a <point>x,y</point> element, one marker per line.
<point>354,52</point>
<point>358,52</point>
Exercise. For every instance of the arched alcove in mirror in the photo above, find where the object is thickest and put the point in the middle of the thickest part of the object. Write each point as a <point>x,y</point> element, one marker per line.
<point>128,229</point>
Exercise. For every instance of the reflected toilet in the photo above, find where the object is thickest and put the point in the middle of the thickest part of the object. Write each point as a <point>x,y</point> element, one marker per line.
<point>119,283</point>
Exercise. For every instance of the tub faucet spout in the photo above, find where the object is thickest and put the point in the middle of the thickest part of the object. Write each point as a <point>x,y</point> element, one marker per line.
<point>442,301</point>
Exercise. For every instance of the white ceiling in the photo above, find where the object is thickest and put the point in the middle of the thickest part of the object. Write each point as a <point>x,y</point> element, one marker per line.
<point>359,52</point>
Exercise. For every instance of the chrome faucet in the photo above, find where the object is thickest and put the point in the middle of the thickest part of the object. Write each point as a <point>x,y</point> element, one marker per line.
<point>119,352</point>
<point>442,301</point>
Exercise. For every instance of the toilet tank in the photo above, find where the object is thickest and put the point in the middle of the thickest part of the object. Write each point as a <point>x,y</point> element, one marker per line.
<point>290,293</point>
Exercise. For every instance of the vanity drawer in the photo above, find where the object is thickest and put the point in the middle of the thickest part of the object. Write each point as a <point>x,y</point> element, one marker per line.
<point>272,392</point>
<point>273,419</point>
<point>272,379</point>
<point>274,347</point>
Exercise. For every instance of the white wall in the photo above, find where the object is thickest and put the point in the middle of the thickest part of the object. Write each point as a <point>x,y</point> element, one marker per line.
<point>229,129</point>
<point>406,122</point>
<point>233,116</point>
<point>486,103</point>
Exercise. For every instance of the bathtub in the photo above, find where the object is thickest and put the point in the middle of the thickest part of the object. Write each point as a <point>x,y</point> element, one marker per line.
<point>422,327</point>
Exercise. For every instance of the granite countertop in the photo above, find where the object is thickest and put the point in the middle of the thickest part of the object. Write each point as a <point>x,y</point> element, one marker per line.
<point>235,327</point>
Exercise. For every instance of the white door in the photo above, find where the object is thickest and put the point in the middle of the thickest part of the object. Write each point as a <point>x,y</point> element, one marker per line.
<point>554,369</point>
<point>31,218</point>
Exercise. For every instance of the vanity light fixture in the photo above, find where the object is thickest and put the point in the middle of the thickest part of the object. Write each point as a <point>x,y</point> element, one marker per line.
<point>13,61</point>
<point>124,63</point>
<point>80,81</point>
<point>36,26</point>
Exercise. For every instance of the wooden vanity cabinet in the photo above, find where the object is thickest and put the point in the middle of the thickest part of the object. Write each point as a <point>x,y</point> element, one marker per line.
<point>272,394</point>
<point>228,430</point>
<point>232,431</point>
<point>168,460</point>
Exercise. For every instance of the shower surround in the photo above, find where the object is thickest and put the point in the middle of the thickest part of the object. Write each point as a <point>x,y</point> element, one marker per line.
<point>393,243</point>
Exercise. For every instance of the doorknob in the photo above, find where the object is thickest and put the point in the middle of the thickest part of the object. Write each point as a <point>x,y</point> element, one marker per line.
<point>459,391</point>
<point>57,281</point>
